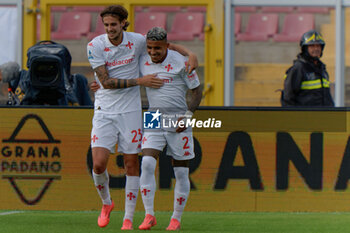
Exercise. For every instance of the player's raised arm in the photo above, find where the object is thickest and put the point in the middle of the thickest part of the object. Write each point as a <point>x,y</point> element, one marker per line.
<point>192,58</point>
<point>115,83</point>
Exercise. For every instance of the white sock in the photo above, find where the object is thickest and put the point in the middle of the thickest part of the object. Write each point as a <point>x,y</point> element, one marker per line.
<point>148,183</point>
<point>181,192</point>
<point>102,185</point>
<point>131,192</point>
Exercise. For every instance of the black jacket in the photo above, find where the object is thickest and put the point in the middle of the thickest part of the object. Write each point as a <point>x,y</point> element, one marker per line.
<point>306,84</point>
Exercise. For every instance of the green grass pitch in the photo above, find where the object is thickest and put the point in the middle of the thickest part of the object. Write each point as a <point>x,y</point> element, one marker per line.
<point>247,222</point>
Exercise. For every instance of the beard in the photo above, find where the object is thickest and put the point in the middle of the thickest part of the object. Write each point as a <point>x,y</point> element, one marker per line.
<point>115,36</point>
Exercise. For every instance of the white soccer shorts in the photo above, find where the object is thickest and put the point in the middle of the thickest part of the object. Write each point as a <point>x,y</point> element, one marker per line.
<point>180,145</point>
<point>124,129</point>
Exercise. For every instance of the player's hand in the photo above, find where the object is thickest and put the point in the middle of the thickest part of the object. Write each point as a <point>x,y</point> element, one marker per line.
<point>192,63</point>
<point>181,129</point>
<point>94,86</point>
<point>150,81</point>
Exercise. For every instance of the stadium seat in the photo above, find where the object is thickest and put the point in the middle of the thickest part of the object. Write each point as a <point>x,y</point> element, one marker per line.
<point>276,9</point>
<point>99,29</point>
<point>147,20</point>
<point>238,20</point>
<point>88,8</point>
<point>58,9</point>
<point>139,8</point>
<point>250,9</point>
<point>164,9</point>
<point>260,27</point>
<point>321,10</point>
<point>72,25</point>
<point>197,9</point>
<point>294,26</point>
<point>186,26</point>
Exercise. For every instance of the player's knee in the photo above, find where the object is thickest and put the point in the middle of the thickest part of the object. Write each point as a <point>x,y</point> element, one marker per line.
<point>148,164</point>
<point>132,167</point>
<point>181,173</point>
<point>98,168</point>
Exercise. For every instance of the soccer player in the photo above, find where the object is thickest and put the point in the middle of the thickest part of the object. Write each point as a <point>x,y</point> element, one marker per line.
<point>170,99</point>
<point>114,57</point>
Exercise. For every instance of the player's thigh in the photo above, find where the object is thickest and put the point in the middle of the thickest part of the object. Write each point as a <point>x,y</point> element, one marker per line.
<point>180,145</point>
<point>104,132</point>
<point>130,132</point>
<point>153,140</point>
<point>180,163</point>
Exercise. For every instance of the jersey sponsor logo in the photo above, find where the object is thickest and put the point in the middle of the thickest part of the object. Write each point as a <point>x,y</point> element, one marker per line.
<point>147,63</point>
<point>90,44</point>
<point>107,49</point>
<point>191,76</point>
<point>90,55</point>
<point>168,67</point>
<point>167,79</point>
<point>151,120</point>
<point>129,45</point>
<point>120,62</point>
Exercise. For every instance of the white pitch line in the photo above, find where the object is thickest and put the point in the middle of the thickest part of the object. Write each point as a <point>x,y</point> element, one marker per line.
<point>11,212</point>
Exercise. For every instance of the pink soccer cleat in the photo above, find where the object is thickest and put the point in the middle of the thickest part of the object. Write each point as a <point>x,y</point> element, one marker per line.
<point>174,225</point>
<point>127,225</point>
<point>148,222</point>
<point>103,219</point>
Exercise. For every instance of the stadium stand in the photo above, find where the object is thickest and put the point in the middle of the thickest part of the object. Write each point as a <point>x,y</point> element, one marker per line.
<point>276,9</point>
<point>196,9</point>
<point>260,27</point>
<point>99,29</point>
<point>147,20</point>
<point>246,9</point>
<point>88,8</point>
<point>72,25</point>
<point>139,8</point>
<point>320,10</point>
<point>186,26</point>
<point>294,26</point>
<point>59,8</point>
<point>238,20</point>
<point>164,9</point>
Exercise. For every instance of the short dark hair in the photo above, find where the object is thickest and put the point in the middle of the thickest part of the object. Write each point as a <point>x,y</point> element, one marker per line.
<point>156,34</point>
<point>118,11</point>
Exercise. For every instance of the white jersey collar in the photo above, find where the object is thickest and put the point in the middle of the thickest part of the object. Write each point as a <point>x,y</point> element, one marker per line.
<point>124,42</point>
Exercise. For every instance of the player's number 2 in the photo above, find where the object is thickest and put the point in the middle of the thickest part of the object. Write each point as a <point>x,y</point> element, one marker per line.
<point>186,143</point>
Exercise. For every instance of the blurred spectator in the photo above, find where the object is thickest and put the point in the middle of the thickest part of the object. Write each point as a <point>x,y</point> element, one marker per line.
<point>8,72</point>
<point>307,82</point>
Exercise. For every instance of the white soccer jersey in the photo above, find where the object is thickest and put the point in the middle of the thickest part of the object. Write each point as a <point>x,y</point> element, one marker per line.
<point>122,62</point>
<point>171,97</point>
